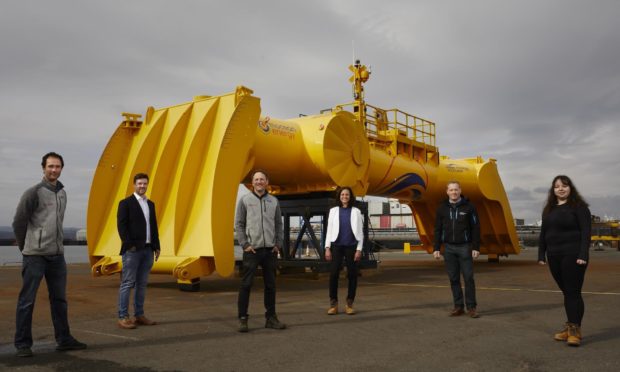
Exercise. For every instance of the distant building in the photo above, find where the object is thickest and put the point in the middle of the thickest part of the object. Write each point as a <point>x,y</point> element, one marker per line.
<point>390,214</point>
<point>80,235</point>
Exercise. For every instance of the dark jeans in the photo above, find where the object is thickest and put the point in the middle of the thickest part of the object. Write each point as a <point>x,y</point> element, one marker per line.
<point>34,268</point>
<point>458,259</point>
<point>338,253</point>
<point>267,261</point>
<point>569,277</point>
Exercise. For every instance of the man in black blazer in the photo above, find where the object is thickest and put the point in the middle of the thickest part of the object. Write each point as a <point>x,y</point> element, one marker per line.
<point>137,227</point>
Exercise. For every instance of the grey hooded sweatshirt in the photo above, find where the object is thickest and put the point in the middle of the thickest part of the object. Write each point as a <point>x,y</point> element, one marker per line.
<point>259,221</point>
<point>38,220</point>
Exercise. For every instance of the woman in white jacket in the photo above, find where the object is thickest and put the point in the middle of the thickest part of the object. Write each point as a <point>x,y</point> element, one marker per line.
<point>344,239</point>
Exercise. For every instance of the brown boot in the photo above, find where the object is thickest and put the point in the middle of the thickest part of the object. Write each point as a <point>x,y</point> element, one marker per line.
<point>349,308</point>
<point>126,323</point>
<point>333,308</point>
<point>574,335</point>
<point>563,335</point>
<point>142,320</point>
<point>457,311</point>
<point>473,313</point>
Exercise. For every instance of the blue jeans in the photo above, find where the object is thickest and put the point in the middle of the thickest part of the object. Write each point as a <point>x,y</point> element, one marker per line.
<point>458,259</point>
<point>268,261</point>
<point>137,265</point>
<point>34,268</point>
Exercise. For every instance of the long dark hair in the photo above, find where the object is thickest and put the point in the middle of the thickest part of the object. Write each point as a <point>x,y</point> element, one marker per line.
<point>351,198</point>
<point>574,198</point>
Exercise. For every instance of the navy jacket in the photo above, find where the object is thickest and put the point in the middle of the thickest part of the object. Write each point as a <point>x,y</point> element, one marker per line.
<point>131,224</point>
<point>457,224</point>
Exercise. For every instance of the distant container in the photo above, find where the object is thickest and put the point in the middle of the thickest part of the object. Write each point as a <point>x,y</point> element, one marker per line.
<point>385,222</point>
<point>80,235</point>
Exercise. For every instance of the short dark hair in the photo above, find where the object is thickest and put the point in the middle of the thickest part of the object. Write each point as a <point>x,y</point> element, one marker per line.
<point>53,155</point>
<point>453,182</point>
<point>258,171</point>
<point>351,198</point>
<point>140,176</point>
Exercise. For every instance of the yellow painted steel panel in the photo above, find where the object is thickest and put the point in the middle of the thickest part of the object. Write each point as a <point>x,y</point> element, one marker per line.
<point>195,155</point>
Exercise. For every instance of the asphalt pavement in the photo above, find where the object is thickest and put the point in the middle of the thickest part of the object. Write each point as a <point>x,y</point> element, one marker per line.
<point>402,322</point>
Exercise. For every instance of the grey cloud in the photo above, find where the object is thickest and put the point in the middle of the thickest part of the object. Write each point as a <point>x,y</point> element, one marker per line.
<point>529,83</point>
<point>518,193</point>
<point>605,206</point>
<point>541,190</point>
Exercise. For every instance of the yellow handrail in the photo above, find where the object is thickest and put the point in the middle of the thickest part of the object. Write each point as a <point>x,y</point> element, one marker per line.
<point>378,120</point>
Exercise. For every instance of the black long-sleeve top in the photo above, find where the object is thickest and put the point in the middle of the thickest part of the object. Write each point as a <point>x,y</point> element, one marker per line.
<point>566,230</point>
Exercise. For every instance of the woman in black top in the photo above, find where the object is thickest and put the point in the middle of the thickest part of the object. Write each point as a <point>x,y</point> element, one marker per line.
<point>564,244</point>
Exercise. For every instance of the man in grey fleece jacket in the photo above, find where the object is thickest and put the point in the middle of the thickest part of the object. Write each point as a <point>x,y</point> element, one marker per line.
<point>258,226</point>
<point>38,230</point>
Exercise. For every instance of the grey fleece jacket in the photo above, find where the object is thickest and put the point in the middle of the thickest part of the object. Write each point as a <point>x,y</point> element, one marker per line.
<point>38,219</point>
<point>259,221</point>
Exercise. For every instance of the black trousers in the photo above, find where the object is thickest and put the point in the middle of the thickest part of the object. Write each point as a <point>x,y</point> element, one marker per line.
<point>569,277</point>
<point>338,253</point>
<point>458,260</point>
<point>266,259</point>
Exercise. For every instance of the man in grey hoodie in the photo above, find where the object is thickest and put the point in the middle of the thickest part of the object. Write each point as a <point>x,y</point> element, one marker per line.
<point>258,225</point>
<point>38,231</point>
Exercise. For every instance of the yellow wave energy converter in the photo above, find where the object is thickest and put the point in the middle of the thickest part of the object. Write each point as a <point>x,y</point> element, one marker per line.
<point>198,152</point>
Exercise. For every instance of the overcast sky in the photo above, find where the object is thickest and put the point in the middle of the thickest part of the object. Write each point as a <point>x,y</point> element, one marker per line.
<point>533,84</point>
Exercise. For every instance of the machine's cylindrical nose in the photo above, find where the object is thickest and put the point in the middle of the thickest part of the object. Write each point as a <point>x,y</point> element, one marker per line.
<point>313,152</point>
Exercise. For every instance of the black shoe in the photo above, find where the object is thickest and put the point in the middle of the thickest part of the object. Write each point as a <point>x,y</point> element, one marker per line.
<point>243,325</point>
<point>71,345</point>
<point>273,322</point>
<point>23,352</point>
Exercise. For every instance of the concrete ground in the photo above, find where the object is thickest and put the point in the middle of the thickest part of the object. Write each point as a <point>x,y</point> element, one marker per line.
<point>402,323</point>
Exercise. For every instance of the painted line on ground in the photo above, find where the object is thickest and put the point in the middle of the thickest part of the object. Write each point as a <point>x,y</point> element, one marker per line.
<point>493,288</point>
<point>107,334</point>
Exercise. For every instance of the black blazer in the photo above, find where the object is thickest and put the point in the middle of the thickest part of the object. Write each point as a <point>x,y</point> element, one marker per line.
<point>131,224</point>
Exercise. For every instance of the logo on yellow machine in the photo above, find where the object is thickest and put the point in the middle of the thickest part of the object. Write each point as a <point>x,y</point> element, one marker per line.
<point>264,124</point>
<point>276,129</point>
<point>455,168</point>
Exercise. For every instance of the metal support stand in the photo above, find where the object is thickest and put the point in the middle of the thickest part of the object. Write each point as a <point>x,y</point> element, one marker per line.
<point>192,285</point>
<point>312,232</point>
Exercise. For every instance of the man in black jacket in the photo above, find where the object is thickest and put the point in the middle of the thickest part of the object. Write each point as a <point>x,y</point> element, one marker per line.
<point>458,228</point>
<point>137,227</point>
